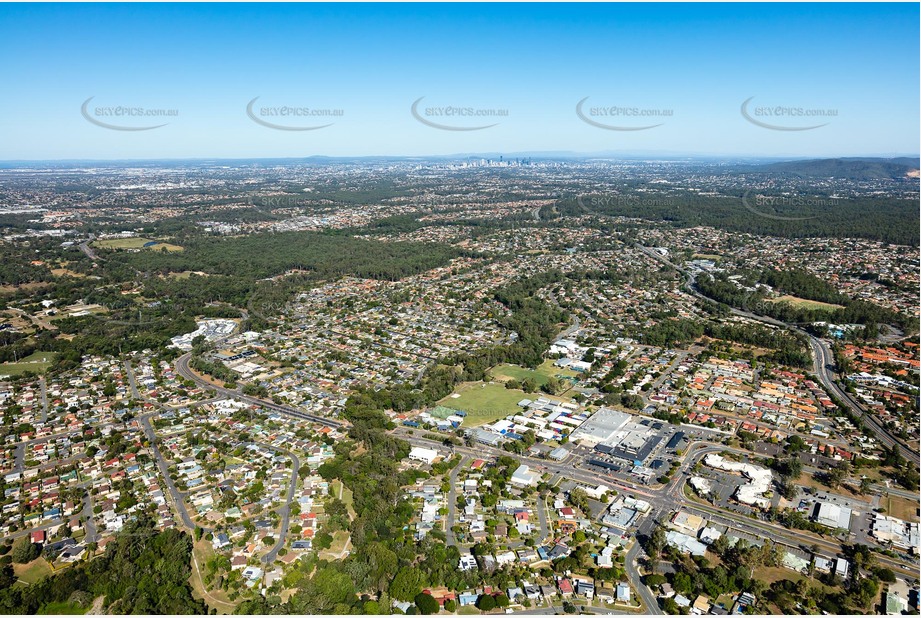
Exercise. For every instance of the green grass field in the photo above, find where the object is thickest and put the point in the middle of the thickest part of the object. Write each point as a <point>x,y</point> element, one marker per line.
<point>540,375</point>
<point>61,608</point>
<point>484,402</point>
<point>33,572</point>
<point>135,243</point>
<point>37,362</point>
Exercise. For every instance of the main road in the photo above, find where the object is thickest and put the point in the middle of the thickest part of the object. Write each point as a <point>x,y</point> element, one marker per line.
<point>182,367</point>
<point>821,357</point>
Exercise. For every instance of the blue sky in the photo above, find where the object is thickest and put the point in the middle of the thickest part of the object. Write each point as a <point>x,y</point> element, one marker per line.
<point>696,62</point>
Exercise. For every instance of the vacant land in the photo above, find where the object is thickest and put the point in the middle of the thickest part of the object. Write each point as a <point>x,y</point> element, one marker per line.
<point>136,243</point>
<point>37,362</point>
<point>484,402</point>
<point>902,508</point>
<point>186,274</point>
<point>808,479</point>
<point>806,303</point>
<point>33,572</point>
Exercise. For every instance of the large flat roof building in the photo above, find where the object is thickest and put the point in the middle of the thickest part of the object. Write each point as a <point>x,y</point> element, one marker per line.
<point>601,427</point>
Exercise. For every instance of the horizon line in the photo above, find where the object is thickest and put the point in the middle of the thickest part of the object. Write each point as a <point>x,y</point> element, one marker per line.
<point>542,154</point>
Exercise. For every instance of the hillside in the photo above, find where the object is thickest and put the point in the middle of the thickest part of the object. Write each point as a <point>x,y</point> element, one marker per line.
<point>850,168</point>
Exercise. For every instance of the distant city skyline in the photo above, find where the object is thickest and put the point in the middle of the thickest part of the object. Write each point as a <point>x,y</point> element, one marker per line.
<point>249,81</point>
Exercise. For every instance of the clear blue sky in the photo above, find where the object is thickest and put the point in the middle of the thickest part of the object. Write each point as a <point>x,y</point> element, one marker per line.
<point>536,61</point>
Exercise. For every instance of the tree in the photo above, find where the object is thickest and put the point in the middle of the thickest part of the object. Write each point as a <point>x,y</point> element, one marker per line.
<point>486,603</point>
<point>450,605</point>
<point>24,550</point>
<point>407,584</point>
<point>837,474</point>
<point>502,600</point>
<point>654,546</point>
<point>426,603</point>
<point>552,386</point>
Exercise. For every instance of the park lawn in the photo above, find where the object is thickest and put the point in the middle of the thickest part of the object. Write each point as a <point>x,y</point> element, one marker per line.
<point>805,303</point>
<point>62,608</point>
<point>218,599</point>
<point>507,372</point>
<point>349,501</point>
<point>902,508</point>
<point>338,489</point>
<point>33,572</point>
<point>37,362</point>
<point>706,256</point>
<point>484,402</point>
<point>340,538</point>
<point>135,243</point>
<point>541,375</point>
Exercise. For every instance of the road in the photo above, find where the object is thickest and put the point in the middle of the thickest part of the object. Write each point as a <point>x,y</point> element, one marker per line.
<point>542,519</point>
<point>822,359</point>
<point>452,500</point>
<point>759,528</point>
<point>91,534</point>
<point>132,383</point>
<point>671,497</point>
<point>635,579</point>
<point>576,324</point>
<point>558,609</point>
<point>85,248</point>
<point>566,470</point>
<point>285,510</point>
<point>182,367</point>
<point>176,497</point>
<point>43,389</point>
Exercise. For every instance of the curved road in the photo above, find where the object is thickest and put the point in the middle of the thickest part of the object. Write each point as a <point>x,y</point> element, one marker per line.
<point>821,355</point>
<point>182,367</point>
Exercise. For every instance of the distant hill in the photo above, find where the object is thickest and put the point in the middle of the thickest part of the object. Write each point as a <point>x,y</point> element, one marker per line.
<point>850,168</point>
